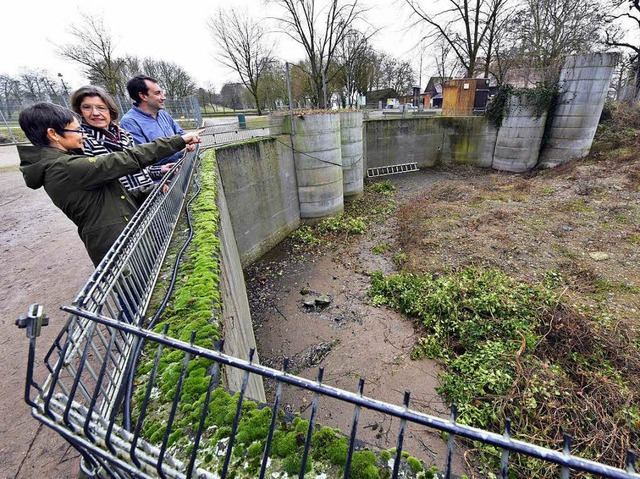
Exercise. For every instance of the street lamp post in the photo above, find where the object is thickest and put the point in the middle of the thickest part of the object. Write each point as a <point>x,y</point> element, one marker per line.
<point>293,125</point>
<point>65,89</point>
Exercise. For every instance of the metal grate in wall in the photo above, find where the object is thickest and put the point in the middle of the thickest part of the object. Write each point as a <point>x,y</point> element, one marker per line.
<point>391,169</point>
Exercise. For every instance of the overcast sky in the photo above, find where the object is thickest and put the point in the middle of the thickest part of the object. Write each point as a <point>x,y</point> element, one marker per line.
<point>174,31</point>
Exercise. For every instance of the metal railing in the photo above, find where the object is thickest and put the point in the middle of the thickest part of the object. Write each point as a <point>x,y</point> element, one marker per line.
<point>84,393</point>
<point>223,134</point>
<point>185,111</point>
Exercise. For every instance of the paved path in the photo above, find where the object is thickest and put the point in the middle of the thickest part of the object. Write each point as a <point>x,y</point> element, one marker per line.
<point>8,156</point>
<point>44,261</point>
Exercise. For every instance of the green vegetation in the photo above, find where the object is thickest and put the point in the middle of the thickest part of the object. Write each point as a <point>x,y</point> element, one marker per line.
<point>257,121</point>
<point>376,203</point>
<point>399,259</point>
<point>344,224</point>
<point>539,100</point>
<point>6,135</point>
<point>381,248</point>
<point>514,350</point>
<point>195,305</point>
<point>305,236</point>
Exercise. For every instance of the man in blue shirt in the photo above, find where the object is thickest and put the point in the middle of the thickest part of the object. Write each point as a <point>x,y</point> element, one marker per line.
<point>147,119</point>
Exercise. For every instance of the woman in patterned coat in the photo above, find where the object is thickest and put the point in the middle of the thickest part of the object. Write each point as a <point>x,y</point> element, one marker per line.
<point>99,115</point>
<point>85,188</point>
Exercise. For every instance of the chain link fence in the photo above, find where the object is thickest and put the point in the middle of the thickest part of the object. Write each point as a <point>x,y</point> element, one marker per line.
<point>185,111</point>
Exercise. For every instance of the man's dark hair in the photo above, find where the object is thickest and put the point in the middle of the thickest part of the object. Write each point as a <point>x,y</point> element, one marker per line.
<point>137,85</point>
<point>36,119</point>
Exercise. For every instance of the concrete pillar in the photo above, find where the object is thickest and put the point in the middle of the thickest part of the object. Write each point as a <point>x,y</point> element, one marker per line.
<point>318,164</point>
<point>352,154</point>
<point>519,137</point>
<point>583,87</point>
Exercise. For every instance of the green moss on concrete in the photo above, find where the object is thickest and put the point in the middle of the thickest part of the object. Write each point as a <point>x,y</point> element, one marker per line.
<point>429,141</point>
<point>195,305</point>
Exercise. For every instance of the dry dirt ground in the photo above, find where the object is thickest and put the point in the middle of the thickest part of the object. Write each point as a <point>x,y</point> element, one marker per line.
<point>43,261</point>
<point>349,337</point>
<point>581,220</point>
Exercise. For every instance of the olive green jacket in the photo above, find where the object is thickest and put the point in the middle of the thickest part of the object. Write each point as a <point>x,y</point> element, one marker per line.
<point>87,189</point>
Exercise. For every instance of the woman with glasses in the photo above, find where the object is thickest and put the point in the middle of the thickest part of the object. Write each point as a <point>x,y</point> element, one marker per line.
<point>85,188</point>
<point>99,115</point>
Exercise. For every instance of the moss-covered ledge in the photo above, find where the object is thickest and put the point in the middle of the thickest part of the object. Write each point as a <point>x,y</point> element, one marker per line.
<point>195,312</point>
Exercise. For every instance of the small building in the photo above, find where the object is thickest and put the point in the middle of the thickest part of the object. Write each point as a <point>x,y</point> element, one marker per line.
<point>465,96</point>
<point>432,95</point>
<point>378,98</point>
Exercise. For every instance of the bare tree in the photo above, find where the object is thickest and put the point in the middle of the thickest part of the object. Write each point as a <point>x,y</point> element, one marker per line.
<point>38,85</point>
<point>505,56</point>
<point>9,94</point>
<point>397,75</point>
<point>131,66</point>
<point>463,24</point>
<point>548,30</point>
<point>368,71</point>
<point>208,97</point>
<point>615,34</point>
<point>231,95</point>
<point>303,89</point>
<point>445,65</point>
<point>174,79</point>
<point>319,31</point>
<point>273,85</point>
<point>95,51</point>
<point>353,63</point>
<point>243,48</point>
<point>497,32</point>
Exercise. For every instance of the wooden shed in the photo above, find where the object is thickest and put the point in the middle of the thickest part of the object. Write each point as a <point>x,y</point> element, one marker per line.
<point>464,96</point>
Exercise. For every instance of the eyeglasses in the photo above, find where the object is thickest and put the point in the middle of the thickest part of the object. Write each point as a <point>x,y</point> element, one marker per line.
<point>100,109</point>
<point>80,131</point>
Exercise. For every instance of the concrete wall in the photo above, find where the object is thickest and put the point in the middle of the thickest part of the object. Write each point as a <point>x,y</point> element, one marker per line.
<point>260,186</point>
<point>519,138</point>
<point>236,315</point>
<point>429,141</point>
<point>584,83</point>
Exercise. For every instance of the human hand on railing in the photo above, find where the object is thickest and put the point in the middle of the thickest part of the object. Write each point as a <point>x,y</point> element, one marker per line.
<point>166,167</point>
<point>192,138</point>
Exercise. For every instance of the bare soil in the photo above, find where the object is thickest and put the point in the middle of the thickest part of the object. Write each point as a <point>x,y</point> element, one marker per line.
<point>581,220</point>
<point>349,338</point>
<point>42,261</point>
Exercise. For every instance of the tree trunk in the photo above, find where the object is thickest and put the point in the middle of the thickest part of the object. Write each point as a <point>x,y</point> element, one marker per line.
<point>257,100</point>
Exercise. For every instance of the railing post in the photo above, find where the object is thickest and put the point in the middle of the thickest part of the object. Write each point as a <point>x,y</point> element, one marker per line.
<point>33,322</point>
<point>8,127</point>
<point>293,124</point>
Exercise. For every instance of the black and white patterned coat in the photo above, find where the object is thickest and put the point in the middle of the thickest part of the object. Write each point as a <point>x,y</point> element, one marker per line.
<point>99,141</point>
